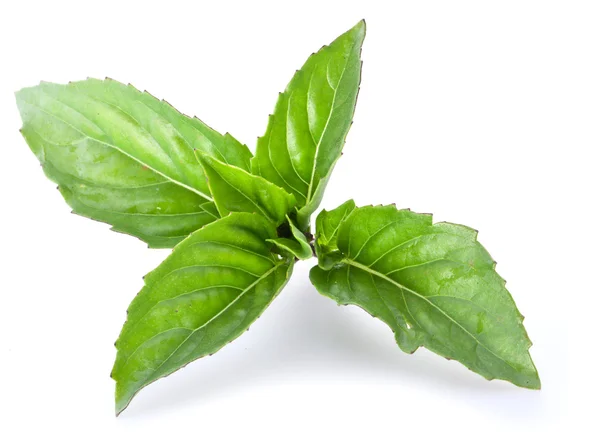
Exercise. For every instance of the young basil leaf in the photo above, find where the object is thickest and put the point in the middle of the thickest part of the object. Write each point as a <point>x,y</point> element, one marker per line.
<point>236,190</point>
<point>298,246</point>
<point>307,131</point>
<point>205,294</point>
<point>123,157</point>
<point>328,225</point>
<point>435,286</point>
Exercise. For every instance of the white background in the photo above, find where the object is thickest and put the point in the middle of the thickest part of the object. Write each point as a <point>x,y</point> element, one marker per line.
<point>483,113</point>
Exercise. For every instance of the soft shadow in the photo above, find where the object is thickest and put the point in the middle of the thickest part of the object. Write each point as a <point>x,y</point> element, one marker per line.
<point>305,336</point>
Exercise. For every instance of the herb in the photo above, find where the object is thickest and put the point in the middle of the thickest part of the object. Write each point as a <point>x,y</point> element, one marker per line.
<point>238,223</point>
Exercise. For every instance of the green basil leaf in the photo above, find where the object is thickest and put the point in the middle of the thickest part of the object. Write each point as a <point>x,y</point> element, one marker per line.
<point>307,131</point>
<point>123,157</point>
<point>236,190</point>
<point>205,294</point>
<point>328,225</point>
<point>435,286</point>
<point>298,246</point>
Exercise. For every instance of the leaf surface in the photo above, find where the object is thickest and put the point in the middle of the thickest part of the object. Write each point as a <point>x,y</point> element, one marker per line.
<point>205,294</point>
<point>123,157</point>
<point>236,190</point>
<point>307,130</point>
<point>435,286</point>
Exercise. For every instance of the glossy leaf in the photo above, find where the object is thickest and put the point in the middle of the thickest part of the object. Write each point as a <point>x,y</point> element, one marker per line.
<point>435,286</point>
<point>307,131</point>
<point>205,294</point>
<point>297,246</point>
<point>125,158</point>
<point>236,190</point>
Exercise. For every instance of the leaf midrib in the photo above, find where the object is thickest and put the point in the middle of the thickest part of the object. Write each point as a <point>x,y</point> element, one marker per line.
<point>235,300</point>
<point>314,168</point>
<point>404,288</point>
<point>254,283</point>
<point>192,331</point>
<point>110,145</point>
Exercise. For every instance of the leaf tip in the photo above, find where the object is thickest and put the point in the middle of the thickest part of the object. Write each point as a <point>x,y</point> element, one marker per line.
<point>532,381</point>
<point>360,28</point>
<point>118,410</point>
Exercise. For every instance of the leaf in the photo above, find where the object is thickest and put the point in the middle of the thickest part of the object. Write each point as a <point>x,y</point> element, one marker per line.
<point>236,190</point>
<point>298,246</point>
<point>328,225</point>
<point>435,286</point>
<point>205,294</point>
<point>123,157</point>
<point>307,131</point>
